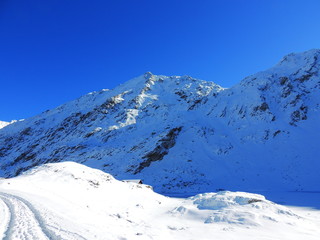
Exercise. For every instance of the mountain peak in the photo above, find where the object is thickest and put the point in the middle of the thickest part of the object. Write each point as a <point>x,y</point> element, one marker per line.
<point>312,55</point>
<point>148,75</point>
<point>296,68</point>
<point>295,63</point>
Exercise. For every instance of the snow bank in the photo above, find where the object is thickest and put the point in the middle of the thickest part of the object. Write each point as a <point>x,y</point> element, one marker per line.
<point>220,200</point>
<point>243,208</point>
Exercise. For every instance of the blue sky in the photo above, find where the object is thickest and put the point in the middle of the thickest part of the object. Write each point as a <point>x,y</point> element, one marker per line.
<point>54,51</point>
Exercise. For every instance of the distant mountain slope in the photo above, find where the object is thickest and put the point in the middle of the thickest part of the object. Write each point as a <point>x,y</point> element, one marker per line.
<point>183,134</point>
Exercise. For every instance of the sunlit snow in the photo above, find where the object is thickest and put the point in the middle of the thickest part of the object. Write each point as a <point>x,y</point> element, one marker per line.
<point>70,201</point>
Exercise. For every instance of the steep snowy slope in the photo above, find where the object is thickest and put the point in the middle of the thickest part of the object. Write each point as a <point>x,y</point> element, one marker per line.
<point>183,134</point>
<point>3,124</point>
<point>70,201</point>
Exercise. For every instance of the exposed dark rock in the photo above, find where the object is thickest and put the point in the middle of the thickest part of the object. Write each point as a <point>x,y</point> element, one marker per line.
<point>182,94</point>
<point>26,131</point>
<point>296,99</point>
<point>287,90</point>
<point>263,107</point>
<point>194,104</point>
<point>305,77</point>
<point>283,80</point>
<point>160,150</point>
<point>253,200</point>
<point>224,111</point>
<point>276,133</point>
<point>299,114</point>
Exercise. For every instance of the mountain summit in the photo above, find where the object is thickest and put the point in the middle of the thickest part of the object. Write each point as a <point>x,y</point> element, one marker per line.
<point>182,134</point>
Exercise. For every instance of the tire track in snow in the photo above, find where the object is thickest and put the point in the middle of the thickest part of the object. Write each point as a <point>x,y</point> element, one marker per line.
<point>5,218</point>
<point>25,222</point>
<point>53,235</point>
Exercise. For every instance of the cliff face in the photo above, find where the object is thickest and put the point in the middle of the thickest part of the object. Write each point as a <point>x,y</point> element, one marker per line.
<point>183,134</point>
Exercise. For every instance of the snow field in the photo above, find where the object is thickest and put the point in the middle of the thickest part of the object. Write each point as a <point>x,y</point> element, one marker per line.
<point>70,201</point>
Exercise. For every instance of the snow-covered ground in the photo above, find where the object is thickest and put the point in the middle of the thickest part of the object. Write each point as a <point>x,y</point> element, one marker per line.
<point>71,201</point>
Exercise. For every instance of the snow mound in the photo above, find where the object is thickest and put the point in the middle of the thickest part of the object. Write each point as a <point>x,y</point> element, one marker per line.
<point>73,181</point>
<point>242,208</point>
<point>220,200</point>
<point>68,172</point>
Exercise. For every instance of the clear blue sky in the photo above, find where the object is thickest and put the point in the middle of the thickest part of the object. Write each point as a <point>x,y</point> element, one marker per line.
<point>54,51</point>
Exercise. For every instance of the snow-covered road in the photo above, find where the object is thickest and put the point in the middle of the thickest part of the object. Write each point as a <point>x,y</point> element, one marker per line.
<point>20,220</point>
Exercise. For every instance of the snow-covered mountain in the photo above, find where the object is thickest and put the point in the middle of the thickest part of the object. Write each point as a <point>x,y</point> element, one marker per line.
<point>71,201</point>
<point>182,134</point>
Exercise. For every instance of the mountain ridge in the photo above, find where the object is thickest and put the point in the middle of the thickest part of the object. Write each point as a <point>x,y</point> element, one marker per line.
<point>185,134</point>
